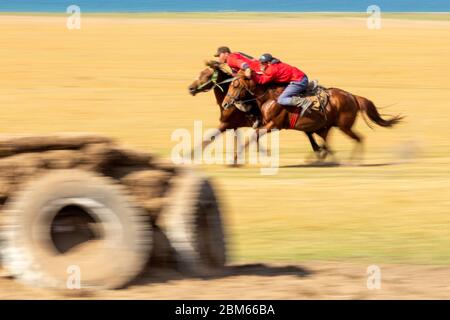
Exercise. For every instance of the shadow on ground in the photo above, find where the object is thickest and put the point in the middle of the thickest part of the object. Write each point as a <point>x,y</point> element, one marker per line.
<point>159,275</point>
<point>339,164</point>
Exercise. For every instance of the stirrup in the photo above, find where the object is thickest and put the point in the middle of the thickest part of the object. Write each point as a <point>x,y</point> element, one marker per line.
<point>304,109</point>
<point>301,102</point>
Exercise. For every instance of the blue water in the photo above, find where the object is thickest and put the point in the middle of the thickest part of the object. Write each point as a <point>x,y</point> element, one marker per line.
<point>226,5</point>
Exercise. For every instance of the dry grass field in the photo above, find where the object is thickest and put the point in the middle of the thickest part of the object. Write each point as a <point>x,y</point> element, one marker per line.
<point>127,77</point>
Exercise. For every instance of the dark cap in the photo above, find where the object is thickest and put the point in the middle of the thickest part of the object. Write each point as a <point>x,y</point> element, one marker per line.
<point>222,50</point>
<point>266,57</point>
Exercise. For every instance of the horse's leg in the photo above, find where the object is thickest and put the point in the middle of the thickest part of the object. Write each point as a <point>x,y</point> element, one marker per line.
<point>316,148</point>
<point>266,129</point>
<point>358,150</point>
<point>260,148</point>
<point>359,147</point>
<point>239,148</point>
<point>221,128</point>
<point>237,151</point>
<point>345,123</point>
<point>325,149</point>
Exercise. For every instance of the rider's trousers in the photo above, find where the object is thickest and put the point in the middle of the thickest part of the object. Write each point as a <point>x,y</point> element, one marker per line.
<point>293,89</point>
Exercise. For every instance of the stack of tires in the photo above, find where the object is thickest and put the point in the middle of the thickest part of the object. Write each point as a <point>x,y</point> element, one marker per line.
<point>81,202</point>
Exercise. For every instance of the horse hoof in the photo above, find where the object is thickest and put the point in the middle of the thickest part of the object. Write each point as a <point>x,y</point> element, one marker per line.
<point>322,155</point>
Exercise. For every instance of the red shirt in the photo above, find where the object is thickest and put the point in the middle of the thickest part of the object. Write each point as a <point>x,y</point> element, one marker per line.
<point>238,61</point>
<point>279,72</point>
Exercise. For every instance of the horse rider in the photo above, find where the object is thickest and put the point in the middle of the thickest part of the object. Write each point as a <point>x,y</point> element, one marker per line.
<point>237,60</point>
<point>273,70</point>
<point>240,61</point>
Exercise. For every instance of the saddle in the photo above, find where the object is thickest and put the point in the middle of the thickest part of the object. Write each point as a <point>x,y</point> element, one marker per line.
<point>312,86</point>
<point>317,95</point>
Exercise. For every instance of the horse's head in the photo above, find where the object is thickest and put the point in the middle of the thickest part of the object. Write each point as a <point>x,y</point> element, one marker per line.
<point>241,89</point>
<point>208,78</point>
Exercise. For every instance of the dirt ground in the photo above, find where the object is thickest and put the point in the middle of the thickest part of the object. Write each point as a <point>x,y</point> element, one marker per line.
<point>313,280</point>
<point>127,78</point>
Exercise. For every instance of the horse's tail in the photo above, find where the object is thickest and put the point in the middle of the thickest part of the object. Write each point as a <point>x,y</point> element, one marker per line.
<point>367,107</point>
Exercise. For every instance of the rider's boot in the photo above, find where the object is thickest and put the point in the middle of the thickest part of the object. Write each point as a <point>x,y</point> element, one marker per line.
<point>303,103</point>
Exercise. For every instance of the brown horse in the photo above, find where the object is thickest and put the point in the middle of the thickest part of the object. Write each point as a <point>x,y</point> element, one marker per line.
<point>216,76</point>
<point>340,111</point>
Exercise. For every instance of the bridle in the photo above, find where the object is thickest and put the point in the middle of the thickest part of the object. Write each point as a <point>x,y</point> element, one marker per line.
<point>234,99</point>
<point>213,80</point>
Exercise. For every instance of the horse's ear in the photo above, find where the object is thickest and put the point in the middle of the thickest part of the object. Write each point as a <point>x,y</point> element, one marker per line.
<point>212,64</point>
<point>226,69</point>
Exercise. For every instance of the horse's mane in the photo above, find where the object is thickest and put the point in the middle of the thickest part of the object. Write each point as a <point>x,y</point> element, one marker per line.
<point>274,86</point>
<point>221,67</point>
<point>225,68</point>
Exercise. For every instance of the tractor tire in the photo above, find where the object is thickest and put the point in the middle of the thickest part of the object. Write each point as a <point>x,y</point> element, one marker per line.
<point>74,229</point>
<point>193,225</point>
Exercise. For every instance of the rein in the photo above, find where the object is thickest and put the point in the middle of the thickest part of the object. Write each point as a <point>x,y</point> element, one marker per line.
<point>233,99</point>
<point>214,81</point>
<point>254,99</point>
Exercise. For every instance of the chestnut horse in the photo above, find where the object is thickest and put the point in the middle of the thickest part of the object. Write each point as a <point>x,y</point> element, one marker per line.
<point>217,77</point>
<point>340,111</point>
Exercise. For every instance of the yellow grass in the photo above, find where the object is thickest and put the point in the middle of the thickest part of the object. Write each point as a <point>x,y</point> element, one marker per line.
<point>128,78</point>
